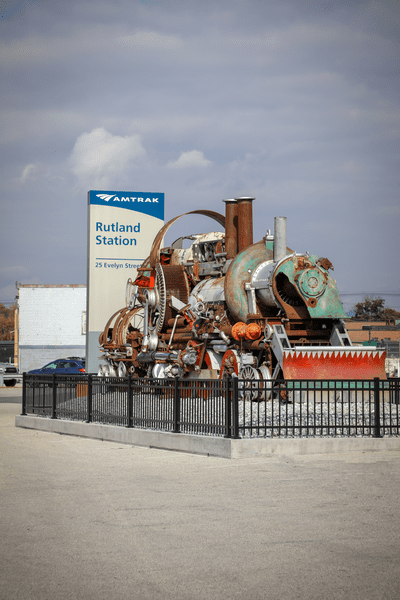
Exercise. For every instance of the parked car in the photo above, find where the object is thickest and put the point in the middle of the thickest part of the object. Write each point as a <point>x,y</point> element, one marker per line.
<point>66,366</point>
<point>9,374</point>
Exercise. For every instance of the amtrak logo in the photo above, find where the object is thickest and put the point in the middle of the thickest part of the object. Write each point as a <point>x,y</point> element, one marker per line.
<point>105,197</point>
<point>108,197</point>
<point>147,203</point>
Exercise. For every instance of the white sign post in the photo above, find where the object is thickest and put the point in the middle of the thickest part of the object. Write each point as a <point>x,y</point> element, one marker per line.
<point>121,229</point>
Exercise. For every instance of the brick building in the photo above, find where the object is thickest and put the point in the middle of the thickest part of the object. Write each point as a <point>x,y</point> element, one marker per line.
<point>383,335</point>
<point>379,331</point>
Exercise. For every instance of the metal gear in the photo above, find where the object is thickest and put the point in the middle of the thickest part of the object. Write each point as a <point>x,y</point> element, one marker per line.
<point>158,312</point>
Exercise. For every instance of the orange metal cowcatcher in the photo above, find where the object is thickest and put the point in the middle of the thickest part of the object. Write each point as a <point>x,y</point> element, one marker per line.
<point>333,362</point>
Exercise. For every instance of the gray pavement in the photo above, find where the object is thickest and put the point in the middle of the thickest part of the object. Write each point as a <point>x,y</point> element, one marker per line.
<point>85,519</point>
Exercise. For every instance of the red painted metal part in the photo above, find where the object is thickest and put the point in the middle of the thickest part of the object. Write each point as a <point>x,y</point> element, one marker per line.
<point>334,364</point>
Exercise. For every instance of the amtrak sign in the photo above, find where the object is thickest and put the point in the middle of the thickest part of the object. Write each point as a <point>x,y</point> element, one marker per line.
<point>121,229</point>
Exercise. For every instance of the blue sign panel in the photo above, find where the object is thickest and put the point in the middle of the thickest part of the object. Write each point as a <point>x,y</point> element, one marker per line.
<point>148,203</point>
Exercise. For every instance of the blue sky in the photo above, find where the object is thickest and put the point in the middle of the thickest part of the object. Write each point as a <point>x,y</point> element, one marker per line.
<point>296,103</point>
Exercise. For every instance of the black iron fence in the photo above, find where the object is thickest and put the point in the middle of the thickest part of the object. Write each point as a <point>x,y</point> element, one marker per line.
<point>232,408</point>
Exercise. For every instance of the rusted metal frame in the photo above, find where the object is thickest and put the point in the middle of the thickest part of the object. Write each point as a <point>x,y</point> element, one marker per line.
<point>201,355</point>
<point>104,334</point>
<point>115,331</point>
<point>155,249</point>
<point>123,325</point>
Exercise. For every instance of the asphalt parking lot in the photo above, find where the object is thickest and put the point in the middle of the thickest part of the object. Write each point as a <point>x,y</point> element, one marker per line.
<point>86,519</point>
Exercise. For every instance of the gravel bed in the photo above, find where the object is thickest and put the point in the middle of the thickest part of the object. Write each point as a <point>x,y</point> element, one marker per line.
<point>332,419</point>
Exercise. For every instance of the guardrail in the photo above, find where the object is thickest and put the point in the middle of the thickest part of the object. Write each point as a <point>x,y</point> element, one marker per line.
<point>231,408</point>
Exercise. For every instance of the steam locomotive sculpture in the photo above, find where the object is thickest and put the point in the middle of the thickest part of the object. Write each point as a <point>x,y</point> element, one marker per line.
<point>225,307</point>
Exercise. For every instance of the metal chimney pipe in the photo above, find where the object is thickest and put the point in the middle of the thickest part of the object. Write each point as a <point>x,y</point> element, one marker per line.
<point>245,224</point>
<point>280,250</point>
<point>231,228</point>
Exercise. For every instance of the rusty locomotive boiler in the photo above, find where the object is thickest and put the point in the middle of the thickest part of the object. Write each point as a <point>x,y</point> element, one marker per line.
<point>225,307</point>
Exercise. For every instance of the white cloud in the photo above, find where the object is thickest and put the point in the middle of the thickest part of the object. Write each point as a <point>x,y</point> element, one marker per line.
<point>99,156</point>
<point>27,172</point>
<point>193,158</point>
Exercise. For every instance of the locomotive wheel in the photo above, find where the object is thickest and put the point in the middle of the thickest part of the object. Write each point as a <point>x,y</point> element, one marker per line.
<point>133,321</point>
<point>266,387</point>
<point>104,336</point>
<point>250,388</point>
<point>229,365</point>
<point>212,360</point>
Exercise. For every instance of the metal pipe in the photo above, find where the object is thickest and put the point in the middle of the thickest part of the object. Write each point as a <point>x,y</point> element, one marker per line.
<point>173,331</point>
<point>280,250</point>
<point>180,323</point>
<point>220,348</point>
<point>245,222</point>
<point>152,356</point>
<point>231,227</point>
<point>179,329</point>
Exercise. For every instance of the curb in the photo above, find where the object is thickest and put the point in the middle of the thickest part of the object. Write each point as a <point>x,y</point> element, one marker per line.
<point>208,445</point>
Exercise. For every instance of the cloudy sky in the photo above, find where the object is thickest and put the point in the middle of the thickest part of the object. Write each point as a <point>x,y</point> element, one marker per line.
<point>294,102</point>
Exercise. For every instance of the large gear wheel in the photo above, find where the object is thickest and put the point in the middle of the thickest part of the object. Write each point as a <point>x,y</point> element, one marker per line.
<point>158,313</point>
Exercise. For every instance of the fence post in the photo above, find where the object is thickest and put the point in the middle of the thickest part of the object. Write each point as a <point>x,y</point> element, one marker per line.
<point>377,409</point>
<point>130,403</point>
<point>89,399</point>
<point>54,397</point>
<point>177,405</point>
<point>235,407</point>
<point>228,408</point>
<point>394,387</point>
<point>23,394</point>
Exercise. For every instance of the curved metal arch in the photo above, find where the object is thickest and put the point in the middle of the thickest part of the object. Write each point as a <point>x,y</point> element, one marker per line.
<point>155,248</point>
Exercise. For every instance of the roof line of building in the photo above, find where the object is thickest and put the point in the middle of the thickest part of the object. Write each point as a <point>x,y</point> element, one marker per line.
<point>51,285</point>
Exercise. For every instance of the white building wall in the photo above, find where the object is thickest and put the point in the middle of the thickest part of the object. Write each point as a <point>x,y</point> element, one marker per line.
<point>392,367</point>
<point>51,323</point>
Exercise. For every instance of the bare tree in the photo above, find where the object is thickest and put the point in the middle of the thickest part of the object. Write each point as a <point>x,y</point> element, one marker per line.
<point>7,322</point>
<point>373,309</point>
